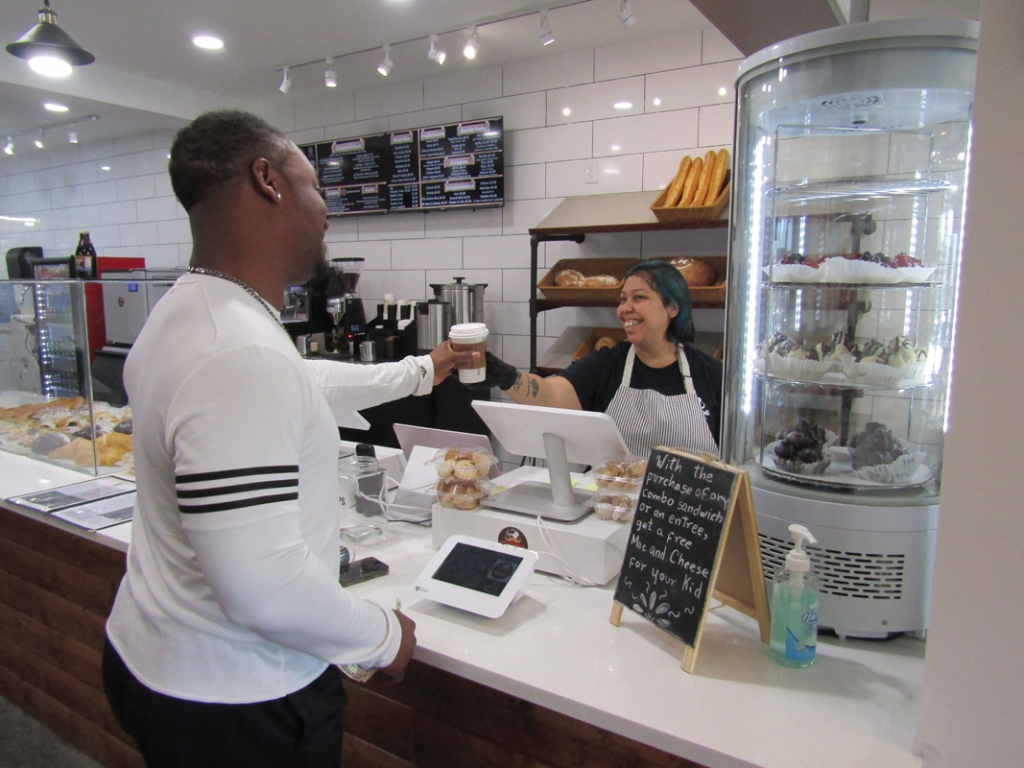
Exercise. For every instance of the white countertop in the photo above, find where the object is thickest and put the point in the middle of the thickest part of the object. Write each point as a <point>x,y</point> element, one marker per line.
<point>857,707</point>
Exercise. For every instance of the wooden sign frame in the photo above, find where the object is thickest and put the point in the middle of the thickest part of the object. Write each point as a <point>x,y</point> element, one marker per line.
<point>737,579</point>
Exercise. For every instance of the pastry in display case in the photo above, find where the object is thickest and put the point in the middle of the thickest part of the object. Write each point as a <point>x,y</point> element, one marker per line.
<point>849,185</point>
<point>59,403</point>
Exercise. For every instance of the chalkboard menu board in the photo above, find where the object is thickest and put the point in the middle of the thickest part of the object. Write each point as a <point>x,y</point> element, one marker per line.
<point>670,559</point>
<point>460,165</point>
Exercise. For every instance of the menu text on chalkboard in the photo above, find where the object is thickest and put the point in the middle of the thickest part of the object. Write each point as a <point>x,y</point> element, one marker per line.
<point>670,558</point>
<point>460,165</point>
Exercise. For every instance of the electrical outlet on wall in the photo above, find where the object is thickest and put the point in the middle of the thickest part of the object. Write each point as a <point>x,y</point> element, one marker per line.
<point>591,174</point>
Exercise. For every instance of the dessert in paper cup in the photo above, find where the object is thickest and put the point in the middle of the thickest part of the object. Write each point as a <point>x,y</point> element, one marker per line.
<point>879,457</point>
<point>804,449</point>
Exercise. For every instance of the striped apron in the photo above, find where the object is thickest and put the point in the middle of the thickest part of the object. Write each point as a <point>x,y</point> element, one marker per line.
<point>647,419</point>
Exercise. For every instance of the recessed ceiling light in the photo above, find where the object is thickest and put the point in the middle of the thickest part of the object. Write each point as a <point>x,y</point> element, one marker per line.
<point>104,167</point>
<point>616,147</point>
<point>722,91</point>
<point>55,107</point>
<point>566,111</point>
<point>624,105</point>
<point>209,42</point>
<point>656,102</point>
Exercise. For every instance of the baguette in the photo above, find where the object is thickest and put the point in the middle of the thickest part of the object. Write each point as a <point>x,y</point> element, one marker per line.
<point>690,185</point>
<point>717,177</point>
<point>705,178</point>
<point>675,189</point>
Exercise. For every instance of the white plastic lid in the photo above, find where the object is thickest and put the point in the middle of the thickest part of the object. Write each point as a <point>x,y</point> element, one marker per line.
<point>389,298</point>
<point>463,331</point>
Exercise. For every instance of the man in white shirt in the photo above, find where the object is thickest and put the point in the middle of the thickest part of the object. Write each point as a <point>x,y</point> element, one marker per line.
<point>224,634</point>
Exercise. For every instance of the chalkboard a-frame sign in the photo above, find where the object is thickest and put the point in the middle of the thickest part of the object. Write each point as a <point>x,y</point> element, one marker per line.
<point>694,537</point>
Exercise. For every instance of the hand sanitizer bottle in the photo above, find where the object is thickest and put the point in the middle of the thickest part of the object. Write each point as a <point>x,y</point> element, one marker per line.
<point>795,606</point>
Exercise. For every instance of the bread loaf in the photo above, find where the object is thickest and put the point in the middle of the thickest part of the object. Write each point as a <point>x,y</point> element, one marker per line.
<point>717,177</point>
<point>696,273</point>
<point>604,341</point>
<point>690,185</point>
<point>569,278</point>
<point>675,190</point>
<point>601,281</point>
<point>705,178</point>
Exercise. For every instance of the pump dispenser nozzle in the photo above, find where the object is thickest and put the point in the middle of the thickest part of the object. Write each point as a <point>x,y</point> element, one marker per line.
<point>797,559</point>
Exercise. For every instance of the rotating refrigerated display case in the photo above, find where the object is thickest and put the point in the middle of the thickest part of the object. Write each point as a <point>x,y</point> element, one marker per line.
<point>849,179</point>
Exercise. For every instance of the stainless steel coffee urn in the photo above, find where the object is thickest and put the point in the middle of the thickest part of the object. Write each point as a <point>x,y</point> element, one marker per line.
<point>433,320</point>
<point>466,299</point>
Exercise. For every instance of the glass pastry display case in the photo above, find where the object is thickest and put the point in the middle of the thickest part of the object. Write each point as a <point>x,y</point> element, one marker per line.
<point>852,149</point>
<point>59,402</point>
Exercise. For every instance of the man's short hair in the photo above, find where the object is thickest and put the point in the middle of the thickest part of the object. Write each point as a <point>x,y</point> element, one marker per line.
<point>217,147</point>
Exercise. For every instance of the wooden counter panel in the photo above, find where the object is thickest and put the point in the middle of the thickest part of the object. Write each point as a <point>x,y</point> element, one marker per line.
<point>69,724</point>
<point>93,593</point>
<point>79,661</point>
<point>54,542</point>
<point>379,720</point>
<point>519,729</point>
<point>357,753</point>
<point>52,611</point>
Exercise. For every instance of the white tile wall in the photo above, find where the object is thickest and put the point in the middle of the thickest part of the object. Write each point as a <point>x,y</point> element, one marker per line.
<point>131,210</point>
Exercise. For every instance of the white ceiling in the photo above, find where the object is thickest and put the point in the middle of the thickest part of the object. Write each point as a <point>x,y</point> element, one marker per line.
<point>149,75</point>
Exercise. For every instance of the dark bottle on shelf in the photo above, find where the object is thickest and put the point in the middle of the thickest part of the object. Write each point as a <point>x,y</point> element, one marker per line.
<point>85,257</point>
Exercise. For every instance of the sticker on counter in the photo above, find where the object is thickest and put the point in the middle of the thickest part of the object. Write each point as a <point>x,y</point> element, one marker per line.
<point>513,537</point>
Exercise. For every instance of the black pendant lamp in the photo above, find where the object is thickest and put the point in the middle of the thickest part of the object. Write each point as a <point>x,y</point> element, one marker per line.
<point>48,49</point>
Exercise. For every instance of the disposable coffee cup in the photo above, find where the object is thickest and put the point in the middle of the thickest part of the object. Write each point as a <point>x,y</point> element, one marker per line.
<point>470,337</point>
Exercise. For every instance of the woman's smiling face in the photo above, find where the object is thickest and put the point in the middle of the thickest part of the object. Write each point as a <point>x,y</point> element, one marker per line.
<point>643,315</point>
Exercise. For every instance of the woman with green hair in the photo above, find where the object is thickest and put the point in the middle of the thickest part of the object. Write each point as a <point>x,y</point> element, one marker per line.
<point>657,388</point>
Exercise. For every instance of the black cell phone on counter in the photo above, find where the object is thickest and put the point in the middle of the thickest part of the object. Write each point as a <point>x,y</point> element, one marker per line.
<point>364,569</point>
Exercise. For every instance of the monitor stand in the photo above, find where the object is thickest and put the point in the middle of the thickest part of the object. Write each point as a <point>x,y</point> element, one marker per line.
<point>555,501</point>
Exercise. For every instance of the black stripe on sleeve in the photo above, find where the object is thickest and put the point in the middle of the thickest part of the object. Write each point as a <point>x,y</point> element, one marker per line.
<point>228,473</point>
<point>244,488</point>
<point>201,508</point>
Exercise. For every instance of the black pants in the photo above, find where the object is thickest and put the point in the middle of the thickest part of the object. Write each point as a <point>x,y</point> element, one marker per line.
<point>300,730</point>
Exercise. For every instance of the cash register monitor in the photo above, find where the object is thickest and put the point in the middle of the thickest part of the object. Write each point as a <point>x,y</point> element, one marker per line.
<point>558,436</point>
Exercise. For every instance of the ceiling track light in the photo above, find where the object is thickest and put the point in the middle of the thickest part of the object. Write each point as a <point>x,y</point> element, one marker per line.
<point>286,81</point>
<point>72,137</point>
<point>472,47</point>
<point>626,14</point>
<point>9,146</point>
<point>39,141</point>
<point>330,76</point>
<point>546,38</point>
<point>49,50</point>
<point>435,53</point>
<point>386,63</point>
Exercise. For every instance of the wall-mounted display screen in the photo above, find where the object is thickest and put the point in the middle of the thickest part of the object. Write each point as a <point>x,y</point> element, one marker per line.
<point>460,165</point>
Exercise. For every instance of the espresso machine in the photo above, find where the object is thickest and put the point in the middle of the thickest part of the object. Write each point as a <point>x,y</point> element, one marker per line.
<point>348,317</point>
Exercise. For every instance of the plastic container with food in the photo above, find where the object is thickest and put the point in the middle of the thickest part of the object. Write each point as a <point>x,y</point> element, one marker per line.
<point>457,463</point>
<point>619,507</point>
<point>623,475</point>
<point>462,494</point>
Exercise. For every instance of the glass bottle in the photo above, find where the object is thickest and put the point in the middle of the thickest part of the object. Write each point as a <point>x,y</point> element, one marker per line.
<point>362,489</point>
<point>85,257</point>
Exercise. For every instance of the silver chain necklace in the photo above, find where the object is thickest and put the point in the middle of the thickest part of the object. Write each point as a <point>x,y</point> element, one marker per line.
<point>236,281</point>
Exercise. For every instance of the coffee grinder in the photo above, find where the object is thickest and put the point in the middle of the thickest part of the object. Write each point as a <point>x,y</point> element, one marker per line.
<point>346,311</point>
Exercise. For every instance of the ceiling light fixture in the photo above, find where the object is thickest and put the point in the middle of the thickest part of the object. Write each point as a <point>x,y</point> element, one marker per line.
<point>49,50</point>
<point>209,42</point>
<point>386,64</point>
<point>623,105</point>
<point>435,53</point>
<point>546,38</point>
<point>472,47</point>
<point>9,146</point>
<point>626,14</point>
<point>39,141</point>
<point>330,76</point>
<point>53,106</point>
<point>72,137</point>
<point>286,81</point>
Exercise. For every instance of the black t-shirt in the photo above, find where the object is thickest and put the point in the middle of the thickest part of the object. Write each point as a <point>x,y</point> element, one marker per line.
<point>597,376</point>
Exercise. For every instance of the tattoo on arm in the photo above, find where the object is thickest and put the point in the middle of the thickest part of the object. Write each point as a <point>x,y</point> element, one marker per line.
<point>519,381</point>
<point>534,386</point>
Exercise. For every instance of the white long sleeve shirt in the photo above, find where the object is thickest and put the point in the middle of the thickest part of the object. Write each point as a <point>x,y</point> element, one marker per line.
<point>231,592</point>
